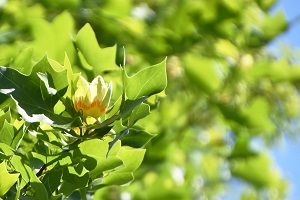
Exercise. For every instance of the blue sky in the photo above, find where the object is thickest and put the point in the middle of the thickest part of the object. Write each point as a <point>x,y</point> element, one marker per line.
<point>286,155</point>
<point>292,11</point>
<point>287,158</point>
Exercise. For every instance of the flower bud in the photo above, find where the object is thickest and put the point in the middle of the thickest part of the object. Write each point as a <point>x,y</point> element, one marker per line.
<point>92,99</point>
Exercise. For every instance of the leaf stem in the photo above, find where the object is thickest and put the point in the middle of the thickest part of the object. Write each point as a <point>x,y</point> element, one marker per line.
<point>82,192</point>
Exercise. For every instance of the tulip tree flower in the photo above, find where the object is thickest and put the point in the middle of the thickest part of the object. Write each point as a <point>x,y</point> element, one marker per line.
<point>92,99</point>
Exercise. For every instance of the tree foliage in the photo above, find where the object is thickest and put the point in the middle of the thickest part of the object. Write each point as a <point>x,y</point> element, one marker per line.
<point>225,92</point>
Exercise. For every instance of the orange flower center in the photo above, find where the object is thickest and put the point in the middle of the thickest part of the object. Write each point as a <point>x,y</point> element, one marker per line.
<point>92,108</point>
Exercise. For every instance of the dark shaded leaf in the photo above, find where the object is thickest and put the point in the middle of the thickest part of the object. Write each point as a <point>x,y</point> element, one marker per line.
<point>33,103</point>
<point>71,182</point>
<point>136,138</point>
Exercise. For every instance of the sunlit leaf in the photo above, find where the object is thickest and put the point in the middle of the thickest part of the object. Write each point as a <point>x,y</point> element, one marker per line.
<point>242,147</point>
<point>91,55</point>
<point>7,133</point>
<point>138,113</point>
<point>256,115</point>
<point>6,179</point>
<point>146,82</point>
<point>23,169</point>
<point>53,38</point>
<point>64,158</point>
<point>93,154</point>
<point>203,72</point>
<point>274,25</point>
<point>23,62</point>
<point>255,170</point>
<point>6,149</point>
<point>29,176</point>
<point>125,174</point>
<point>6,117</point>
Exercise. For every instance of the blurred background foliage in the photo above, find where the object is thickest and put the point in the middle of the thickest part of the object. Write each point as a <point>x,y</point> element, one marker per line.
<point>227,99</point>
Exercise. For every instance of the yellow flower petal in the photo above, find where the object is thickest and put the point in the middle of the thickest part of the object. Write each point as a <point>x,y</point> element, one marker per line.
<point>92,99</point>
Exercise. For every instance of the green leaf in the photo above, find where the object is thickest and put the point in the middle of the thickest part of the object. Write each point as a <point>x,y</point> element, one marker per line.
<point>6,180</point>
<point>53,38</point>
<point>91,55</point>
<point>40,191</point>
<point>71,76</point>
<point>116,179</point>
<point>93,155</point>
<point>23,169</point>
<point>274,25</point>
<point>28,176</point>
<point>126,154</point>
<point>23,62</point>
<point>58,74</point>
<point>117,9</point>
<point>256,115</point>
<point>256,170</point>
<point>78,170</point>
<point>52,179</point>
<point>6,117</point>
<point>18,136</point>
<point>125,173</point>
<point>99,133</point>
<point>242,147</point>
<point>138,113</point>
<point>64,158</point>
<point>203,73</point>
<point>26,92</point>
<point>129,105</point>
<point>279,71</point>
<point>112,143</point>
<point>146,82</point>
<point>6,149</point>
<point>266,4</point>
<point>57,197</point>
<point>36,94</point>
<point>71,182</point>
<point>136,138</point>
<point>7,133</point>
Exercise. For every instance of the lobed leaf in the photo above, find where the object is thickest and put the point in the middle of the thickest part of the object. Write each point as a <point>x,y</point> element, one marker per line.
<point>37,94</point>
<point>91,55</point>
<point>6,117</point>
<point>7,133</point>
<point>6,179</point>
<point>146,82</point>
<point>125,173</point>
